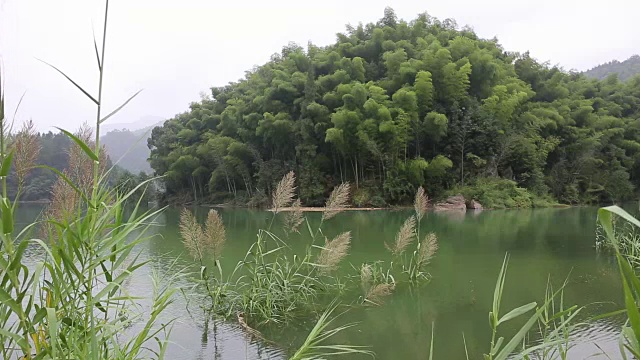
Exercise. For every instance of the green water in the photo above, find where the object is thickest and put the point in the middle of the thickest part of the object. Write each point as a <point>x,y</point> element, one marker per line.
<point>542,243</point>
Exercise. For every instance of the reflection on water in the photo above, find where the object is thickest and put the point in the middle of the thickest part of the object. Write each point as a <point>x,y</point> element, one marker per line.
<point>544,244</point>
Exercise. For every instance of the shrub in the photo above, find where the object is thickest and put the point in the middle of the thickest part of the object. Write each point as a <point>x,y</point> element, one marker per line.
<point>361,197</point>
<point>495,193</point>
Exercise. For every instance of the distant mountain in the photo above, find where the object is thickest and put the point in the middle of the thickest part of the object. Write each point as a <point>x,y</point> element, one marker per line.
<point>127,146</point>
<point>143,123</point>
<point>625,69</point>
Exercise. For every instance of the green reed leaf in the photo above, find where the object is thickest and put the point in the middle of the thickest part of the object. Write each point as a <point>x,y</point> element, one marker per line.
<point>120,107</point>
<point>517,312</point>
<point>6,164</point>
<point>80,143</point>
<point>95,46</point>
<point>73,82</point>
<point>7,216</point>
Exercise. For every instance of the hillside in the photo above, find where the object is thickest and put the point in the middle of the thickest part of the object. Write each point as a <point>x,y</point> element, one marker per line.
<point>394,105</point>
<point>625,69</point>
<point>129,148</point>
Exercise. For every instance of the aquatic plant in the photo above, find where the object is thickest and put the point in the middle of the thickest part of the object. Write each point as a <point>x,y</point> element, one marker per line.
<point>72,301</point>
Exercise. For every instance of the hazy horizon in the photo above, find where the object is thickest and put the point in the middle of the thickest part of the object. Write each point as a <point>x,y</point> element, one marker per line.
<point>177,50</point>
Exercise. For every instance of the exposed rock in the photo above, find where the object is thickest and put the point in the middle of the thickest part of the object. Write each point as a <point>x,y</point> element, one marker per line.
<point>452,203</point>
<point>474,205</point>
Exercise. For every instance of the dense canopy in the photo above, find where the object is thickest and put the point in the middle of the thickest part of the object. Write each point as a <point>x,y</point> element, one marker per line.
<point>394,105</point>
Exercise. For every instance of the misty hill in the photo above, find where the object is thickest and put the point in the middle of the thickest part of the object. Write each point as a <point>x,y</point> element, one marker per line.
<point>625,69</point>
<point>129,148</point>
<point>144,122</point>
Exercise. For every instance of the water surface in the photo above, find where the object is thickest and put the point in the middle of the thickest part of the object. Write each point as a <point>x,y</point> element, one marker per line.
<point>543,244</point>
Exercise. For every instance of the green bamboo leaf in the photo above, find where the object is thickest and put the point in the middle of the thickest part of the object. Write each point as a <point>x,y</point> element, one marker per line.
<point>73,82</point>
<point>7,216</point>
<point>120,107</point>
<point>80,143</point>
<point>6,164</point>
<point>517,312</point>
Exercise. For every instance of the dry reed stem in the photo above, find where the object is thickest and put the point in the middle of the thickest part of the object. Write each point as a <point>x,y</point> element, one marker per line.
<point>27,149</point>
<point>283,196</point>
<point>334,251</point>
<point>378,292</point>
<point>337,201</point>
<point>420,203</point>
<point>293,219</point>
<point>192,234</point>
<point>428,248</point>
<point>214,233</point>
<point>404,237</point>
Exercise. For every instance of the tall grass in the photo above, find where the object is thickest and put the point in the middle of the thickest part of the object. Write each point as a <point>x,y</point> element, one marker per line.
<point>73,302</point>
<point>273,285</point>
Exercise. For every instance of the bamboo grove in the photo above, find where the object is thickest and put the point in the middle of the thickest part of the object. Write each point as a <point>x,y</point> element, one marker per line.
<point>395,105</point>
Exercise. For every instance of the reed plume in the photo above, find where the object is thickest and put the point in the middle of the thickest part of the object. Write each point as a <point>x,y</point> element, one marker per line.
<point>293,218</point>
<point>214,233</point>
<point>404,237</point>
<point>366,277</point>
<point>420,203</point>
<point>198,241</point>
<point>378,292</point>
<point>27,149</point>
<point>334,251</point>
<point>427,248</point>
<point>283,196</point>
<point>65,201</point>
<point>337,201</point>
<point>192,235</point>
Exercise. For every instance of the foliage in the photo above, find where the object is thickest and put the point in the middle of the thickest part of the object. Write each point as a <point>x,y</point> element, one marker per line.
<point>272,285</point>
<point>623,69</point>
<point>495,193</point>
<point>65,295</point>
<point>395,105</point>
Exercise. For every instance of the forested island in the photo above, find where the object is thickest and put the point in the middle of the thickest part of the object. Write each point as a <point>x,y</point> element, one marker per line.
<point>395,105</point>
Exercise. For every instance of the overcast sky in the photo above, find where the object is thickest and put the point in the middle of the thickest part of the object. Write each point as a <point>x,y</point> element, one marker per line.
<point>175,49</point>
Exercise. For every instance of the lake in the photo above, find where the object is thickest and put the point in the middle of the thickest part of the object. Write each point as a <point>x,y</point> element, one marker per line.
<point>543,244</point>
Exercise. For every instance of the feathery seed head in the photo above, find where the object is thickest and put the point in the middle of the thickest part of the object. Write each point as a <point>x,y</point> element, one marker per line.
<point>428,248</point>
<point>334,251</point>
<point>404,237</point>
<point>293,218</point>
<point>192,235</point>
<point>378,292</point>
<point>337,201</point>
<point>284,193</point>
<point>366,276</point>
<point>420,203</point>
<point>27,148</point>
<point>214,233</point>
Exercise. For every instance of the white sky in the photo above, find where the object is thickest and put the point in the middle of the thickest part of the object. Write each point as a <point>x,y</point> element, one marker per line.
<point>174,49</point>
